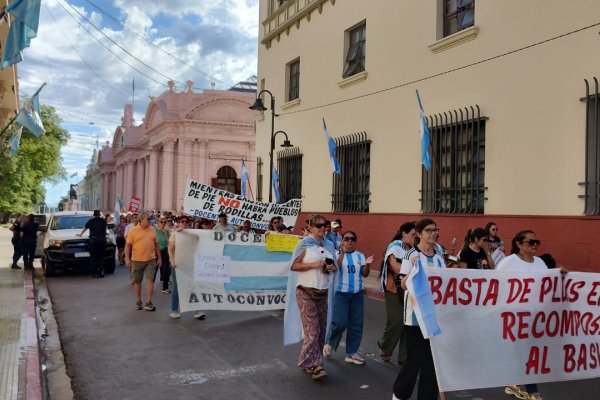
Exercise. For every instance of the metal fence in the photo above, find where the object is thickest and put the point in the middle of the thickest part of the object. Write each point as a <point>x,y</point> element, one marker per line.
<point>351,189</point>
<point>456,181</point>
<point>289,165</point>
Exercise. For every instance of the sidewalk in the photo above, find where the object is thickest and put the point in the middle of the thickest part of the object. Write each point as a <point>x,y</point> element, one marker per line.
<point>20,371</point>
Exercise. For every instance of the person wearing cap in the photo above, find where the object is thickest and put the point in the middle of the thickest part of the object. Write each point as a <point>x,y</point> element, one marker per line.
<point>333,236</point>
<point>223,225</point>
<point>97,242</point>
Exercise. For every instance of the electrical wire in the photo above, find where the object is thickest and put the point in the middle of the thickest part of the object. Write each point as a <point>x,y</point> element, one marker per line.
<point>112,52</point>
<point>155,46</point>
<point>119,46</point>
<point>80,57</point>
<point>485,60</point>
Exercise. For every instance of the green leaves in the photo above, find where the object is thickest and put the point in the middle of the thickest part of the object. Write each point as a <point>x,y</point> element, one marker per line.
<point>37,161</point>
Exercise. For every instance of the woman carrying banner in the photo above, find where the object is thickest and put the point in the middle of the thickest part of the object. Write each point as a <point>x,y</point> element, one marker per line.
<point>313,262</point>
<point>522,258</point>
<point>348,300</point>
<point>400,244</point>
<point>419,360</point>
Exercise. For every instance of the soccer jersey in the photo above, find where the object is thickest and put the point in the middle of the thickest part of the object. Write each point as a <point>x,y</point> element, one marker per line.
<point>398,249</point>
<point>350,273</point>
<point>437,261</point>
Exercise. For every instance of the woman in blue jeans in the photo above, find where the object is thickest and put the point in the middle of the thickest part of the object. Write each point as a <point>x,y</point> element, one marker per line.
<point>348,300</point>
<point>181,225</point>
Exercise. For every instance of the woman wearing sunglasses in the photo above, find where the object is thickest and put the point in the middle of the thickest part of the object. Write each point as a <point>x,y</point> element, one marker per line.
<point>419,360</point>
<point>307,295</point>
<point>348,300</point>
<point>523,258</point>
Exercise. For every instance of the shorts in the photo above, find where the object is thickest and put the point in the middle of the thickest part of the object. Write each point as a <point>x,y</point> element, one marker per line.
<point>139,269</point>
<point>120,242</point>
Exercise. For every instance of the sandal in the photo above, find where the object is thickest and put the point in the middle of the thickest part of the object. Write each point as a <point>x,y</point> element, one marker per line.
<point>309,370</point>
<point>319,372</point>
<point>384,356</point>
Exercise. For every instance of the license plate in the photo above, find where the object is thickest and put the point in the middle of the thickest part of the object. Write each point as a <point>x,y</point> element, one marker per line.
<point>82,254</point>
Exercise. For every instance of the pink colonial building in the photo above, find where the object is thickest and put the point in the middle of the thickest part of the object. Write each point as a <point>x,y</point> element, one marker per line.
<point>204,136</point>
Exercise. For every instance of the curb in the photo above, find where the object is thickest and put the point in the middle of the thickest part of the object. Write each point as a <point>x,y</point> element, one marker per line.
<point>33,371</point>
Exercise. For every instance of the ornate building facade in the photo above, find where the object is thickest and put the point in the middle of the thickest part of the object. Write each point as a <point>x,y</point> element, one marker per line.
<point>204,136</point>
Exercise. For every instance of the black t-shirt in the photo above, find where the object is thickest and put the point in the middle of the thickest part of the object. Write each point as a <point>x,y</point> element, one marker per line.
<point>472,258</point>
<point>16,229</point>
<point>97,227</point>
<point>30,232</point>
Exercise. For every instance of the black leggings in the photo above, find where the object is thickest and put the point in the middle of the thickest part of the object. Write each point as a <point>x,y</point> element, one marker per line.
<point>165,269</point>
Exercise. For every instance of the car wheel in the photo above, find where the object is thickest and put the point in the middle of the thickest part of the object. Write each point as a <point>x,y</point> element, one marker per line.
<point>109,267</point>
<point>48,267</point>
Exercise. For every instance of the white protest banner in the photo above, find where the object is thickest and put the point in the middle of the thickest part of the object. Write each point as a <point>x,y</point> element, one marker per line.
<point>229,271</point>
<point>502,328</point>
<point>204,201</point>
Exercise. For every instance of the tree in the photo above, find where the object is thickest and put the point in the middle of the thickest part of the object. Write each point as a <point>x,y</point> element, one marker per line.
<point>37,161</point>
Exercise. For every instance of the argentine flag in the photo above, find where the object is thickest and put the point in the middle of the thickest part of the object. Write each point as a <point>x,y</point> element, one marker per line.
<point>30,115</point>
<point>331,144</point>
<point>24,27</point>
<point>245,179</point>
<point>422,300</point>
<point>425,137</point>
<point>276,186</point>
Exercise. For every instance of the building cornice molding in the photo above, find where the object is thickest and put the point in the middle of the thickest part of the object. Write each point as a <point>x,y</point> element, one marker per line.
<point>288,15</point>
<point>455,39</point>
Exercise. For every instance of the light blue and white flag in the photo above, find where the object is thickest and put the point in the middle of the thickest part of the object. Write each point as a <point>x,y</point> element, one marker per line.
<point>13,142</point>
<point>245,179</point>
<point>331,145</point>
<point>422,300</point>
<point>425,137</point>
<point>30,115</point>
<point>276,186</point>
<point>118,206</point>
<point>24,27</point>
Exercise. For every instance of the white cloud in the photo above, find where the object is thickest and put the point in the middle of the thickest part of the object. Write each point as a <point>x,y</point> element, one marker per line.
<point>86,83</point>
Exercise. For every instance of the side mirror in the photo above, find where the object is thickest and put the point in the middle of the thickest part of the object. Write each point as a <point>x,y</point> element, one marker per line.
<point>43,228</point>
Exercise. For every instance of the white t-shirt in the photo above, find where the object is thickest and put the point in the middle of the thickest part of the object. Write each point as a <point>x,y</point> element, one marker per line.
<point>314,278</point>
<point>515,263</point>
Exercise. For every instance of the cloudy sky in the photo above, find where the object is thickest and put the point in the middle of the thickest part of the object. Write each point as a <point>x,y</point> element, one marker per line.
<point>90,51</point>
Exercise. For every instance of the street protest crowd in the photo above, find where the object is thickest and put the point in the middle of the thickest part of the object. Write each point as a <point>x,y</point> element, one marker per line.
<point>325,284</point>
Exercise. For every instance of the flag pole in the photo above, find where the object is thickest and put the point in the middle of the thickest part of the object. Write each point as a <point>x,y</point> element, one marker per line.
<point>5,146</point>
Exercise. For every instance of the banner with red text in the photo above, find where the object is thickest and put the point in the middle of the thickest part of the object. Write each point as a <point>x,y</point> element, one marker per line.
<point>203,201</point>
<point>502,328</point>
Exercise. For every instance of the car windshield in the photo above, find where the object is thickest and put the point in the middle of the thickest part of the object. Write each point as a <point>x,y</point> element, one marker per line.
<point>71,221</point>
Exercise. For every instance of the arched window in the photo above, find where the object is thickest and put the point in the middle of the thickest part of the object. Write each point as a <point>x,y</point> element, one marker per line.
<point>227,180</point>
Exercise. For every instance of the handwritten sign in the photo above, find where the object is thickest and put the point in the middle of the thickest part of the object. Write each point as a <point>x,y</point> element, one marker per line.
<point>212,268</point>
<point>503,327</point>
<point>134,204</point>
<point>277,242</point>
<point>204,201</point>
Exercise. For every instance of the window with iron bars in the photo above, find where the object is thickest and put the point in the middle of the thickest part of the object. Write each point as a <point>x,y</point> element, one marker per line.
<point>355,58</point>
<point>289,165</point>
<point>592,149</point>
<point>455,184</point>
<point>259,179</point>
<point>351,189</point>
<point>458,15</point>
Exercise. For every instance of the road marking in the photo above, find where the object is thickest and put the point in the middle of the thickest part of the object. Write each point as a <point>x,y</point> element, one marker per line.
<point>191,377</point>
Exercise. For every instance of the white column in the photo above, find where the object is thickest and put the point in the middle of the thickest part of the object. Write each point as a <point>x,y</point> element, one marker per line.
<point>194,156</point>
<point>153,180</point>
<point>167,182</point>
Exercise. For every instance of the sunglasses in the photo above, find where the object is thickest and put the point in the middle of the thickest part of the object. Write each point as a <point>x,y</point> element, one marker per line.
<point>319,226</point>
<point>532,242</point>
<point>161,222</point>
<point>349,239</point>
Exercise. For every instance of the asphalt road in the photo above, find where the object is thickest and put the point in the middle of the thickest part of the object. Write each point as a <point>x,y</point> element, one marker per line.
<point>113,351</point>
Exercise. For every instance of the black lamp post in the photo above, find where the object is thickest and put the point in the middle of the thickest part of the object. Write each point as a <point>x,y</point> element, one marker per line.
<point>259,106</point>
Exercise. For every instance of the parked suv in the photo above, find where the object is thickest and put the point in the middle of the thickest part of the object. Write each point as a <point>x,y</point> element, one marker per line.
<point>64,249</point>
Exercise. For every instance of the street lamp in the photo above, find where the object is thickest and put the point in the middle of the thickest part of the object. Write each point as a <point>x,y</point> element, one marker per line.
<point>260,106</point>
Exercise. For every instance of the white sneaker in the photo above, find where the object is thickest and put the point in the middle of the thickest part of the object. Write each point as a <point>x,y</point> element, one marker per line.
<point>354,359</point>
<point>174,315</point>
<point>327,350</point>
<point>199,315</point>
